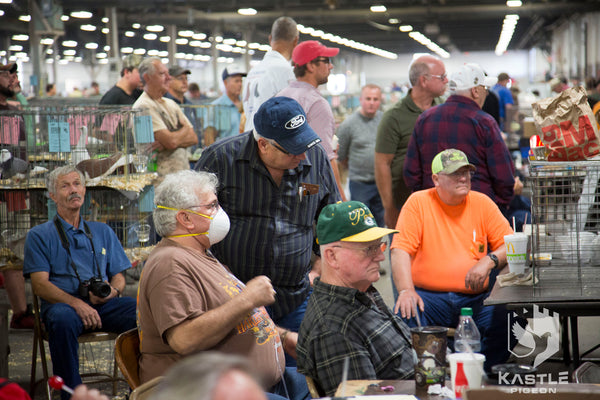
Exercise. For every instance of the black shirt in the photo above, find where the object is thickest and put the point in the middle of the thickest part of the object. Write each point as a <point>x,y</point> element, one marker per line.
<point>116,95</point>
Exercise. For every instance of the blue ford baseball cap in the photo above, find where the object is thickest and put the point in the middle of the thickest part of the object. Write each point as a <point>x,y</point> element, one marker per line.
<point>283,120</point>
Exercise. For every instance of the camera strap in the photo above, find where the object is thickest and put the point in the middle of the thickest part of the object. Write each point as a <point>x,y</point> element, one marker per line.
<point>66,245</point>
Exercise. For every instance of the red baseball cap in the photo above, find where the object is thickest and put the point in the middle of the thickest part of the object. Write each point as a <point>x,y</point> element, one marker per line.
<point>311,49</point>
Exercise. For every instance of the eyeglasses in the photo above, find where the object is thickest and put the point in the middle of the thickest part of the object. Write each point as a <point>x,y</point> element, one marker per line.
<point>325,60</point>
<point>456,175</point>
<point>370,251</point>
<point>441,77</point>
<point>211,206</point>
<point>278,147</point>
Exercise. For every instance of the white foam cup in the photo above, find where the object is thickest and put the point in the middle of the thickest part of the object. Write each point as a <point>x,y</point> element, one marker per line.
<point>472,365</point>
<point>516,252</point>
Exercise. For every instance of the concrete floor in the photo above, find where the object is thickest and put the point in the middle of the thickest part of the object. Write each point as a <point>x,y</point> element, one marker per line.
<point>21,345</point>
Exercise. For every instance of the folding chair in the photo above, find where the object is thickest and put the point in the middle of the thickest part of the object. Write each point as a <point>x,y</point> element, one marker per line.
<point>127,356</point>
<point>40,334</point>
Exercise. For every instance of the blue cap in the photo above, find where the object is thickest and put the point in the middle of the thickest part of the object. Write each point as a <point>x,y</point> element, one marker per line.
<point>283,120</point>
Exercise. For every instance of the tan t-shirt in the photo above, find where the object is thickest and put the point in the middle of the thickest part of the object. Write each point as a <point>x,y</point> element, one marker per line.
<point>166,114</point>
<point>179,283</point>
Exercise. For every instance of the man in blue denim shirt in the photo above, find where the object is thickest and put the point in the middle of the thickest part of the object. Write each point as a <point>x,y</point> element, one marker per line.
<point>61,256</point>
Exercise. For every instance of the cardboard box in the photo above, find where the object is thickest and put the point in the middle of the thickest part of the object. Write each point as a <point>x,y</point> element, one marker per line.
<point>529,128</point>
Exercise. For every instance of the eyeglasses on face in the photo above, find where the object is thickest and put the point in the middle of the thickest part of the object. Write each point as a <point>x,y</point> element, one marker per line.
<point>441,77</point>
<point>210,206</point>
<point>456,175</point>
<point>278,147</point>
<point>325,60</point>
<point>370,251</point>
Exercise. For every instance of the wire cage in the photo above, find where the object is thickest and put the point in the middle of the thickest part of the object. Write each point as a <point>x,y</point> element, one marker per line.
<point>109,144</point>
<point>565,245</point>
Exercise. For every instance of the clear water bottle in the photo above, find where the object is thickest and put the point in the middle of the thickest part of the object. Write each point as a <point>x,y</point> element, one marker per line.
<point>467,333</point>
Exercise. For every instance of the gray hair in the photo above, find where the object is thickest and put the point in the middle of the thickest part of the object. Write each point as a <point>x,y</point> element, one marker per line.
<point>196,376</point>
<point>179,191</point>
<point>147,67</point>
<point>284,29</point>
<point>419,67</point>
<point>61,171</point>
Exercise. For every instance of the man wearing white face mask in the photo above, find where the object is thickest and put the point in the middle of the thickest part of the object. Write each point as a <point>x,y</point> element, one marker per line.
<point>189,302</point>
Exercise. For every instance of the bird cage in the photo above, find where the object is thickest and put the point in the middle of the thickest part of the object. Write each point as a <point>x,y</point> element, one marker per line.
<point>110,145</point>
<point>216,116</point>
<point>565,245</point>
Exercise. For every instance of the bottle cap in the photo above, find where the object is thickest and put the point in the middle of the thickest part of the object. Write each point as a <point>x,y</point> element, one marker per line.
<point>466,311</point>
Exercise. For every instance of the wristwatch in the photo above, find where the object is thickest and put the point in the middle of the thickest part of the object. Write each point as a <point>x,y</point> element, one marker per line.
<point>494,259</point>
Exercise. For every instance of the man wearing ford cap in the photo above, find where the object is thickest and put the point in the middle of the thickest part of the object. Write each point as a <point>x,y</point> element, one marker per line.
<point>346,316</point>
<point>274,182</point>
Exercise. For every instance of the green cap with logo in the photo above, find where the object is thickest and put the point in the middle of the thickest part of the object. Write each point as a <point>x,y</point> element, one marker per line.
<point>349,221</point>
<point>449,161</point>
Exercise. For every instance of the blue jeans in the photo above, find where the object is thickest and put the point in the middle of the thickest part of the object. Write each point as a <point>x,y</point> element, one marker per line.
<point>367,193</point>
<point>295,383</point>
<point>64,327</point>
<point>443,309</point>
<point>292,322</point>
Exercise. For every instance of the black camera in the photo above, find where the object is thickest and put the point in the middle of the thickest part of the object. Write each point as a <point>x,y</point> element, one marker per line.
<point>95,285</point>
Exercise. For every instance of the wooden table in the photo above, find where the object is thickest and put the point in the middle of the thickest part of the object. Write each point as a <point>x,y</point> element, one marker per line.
<point>373,388</point>
<point>569,300</point>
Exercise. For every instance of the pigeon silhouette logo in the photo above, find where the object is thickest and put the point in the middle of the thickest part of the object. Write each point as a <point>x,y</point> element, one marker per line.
<point>541,332</point>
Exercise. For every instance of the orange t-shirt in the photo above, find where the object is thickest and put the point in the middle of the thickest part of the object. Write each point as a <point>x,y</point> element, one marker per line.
<point>446,241</point>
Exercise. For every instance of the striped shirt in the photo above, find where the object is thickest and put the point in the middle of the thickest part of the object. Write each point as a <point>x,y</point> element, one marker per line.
<point>271,226</point>
<point>343,322</point>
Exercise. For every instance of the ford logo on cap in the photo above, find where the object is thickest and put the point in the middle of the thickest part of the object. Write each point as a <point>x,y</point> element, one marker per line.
<point>295,122</point>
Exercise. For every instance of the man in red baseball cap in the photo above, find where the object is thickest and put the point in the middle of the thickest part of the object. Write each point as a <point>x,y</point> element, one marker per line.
<point>312,64</point>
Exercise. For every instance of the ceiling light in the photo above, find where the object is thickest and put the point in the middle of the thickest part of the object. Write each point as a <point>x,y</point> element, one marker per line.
<point>91,46</point>
<point>5,1</point>
<point>88,28</point>
<point>199,36</point>
<point>241,43</point>
<point>15,47</point>
<point>69,52</point>
<point>378,8</point>
<point>1,13</point>
<point>254,45</point>
<point>205,45</point>
<point>150,36</point>
<point>153,52</point>
<point>155,28</point>
<point>47,41</point>
<point>69,43</point>
<point>64,18</point>
<point>165,39</point>
<point>247,11</point>
<point>129,33</point>
<point>49,61</point>
<point>393,21</point>
<point>81,14</point>
<point>218,39</point>
<point>25,18</point>
<point>135,25</point>
<point>103,61</point>
<point>222,59</point>
<point>20,38</point>
<point>63,61</point>
<point>49,51</point>
<point>78,59</point>
<point>181,41</point>
<point>105,31</point>
<point>139,51</point>
<point>405,28</point>
<point>104,20</point>
<point>224,47</point>
<point>196,43</point>
<point>514,3</point>
<point>186,33</point>
<point>126,50</point>
<point>264,47</point>
<point>229,41</point>
<point>163,53</point>
<point>317,33</point>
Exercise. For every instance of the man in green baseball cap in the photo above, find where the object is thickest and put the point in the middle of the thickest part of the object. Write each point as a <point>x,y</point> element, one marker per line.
<point>345,315</point>
<point>449,248</point>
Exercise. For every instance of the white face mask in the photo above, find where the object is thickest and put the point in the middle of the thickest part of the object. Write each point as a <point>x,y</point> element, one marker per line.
<point>219,227</point>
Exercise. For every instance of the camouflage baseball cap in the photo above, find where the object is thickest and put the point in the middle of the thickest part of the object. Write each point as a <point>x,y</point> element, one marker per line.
<point>449,161</point>
<point>350,221</point>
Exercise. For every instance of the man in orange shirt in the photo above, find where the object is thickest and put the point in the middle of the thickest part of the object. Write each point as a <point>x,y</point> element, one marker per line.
<point>447,253</point>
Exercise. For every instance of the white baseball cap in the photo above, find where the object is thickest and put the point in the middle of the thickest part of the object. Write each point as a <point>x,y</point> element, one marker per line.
<point>470,75</point>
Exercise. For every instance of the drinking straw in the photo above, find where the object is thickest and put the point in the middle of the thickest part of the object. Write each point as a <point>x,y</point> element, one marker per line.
<point>514,225</point>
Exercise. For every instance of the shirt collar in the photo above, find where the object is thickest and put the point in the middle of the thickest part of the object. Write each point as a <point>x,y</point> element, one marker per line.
<point>349,295</point>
